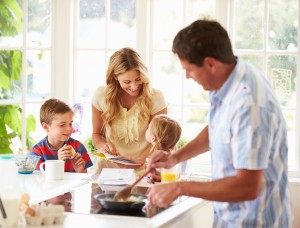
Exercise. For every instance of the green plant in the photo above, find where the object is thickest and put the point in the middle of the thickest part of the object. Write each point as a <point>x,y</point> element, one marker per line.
<point>10,72</point>
<point>89,145</point>
<point>182,141</point>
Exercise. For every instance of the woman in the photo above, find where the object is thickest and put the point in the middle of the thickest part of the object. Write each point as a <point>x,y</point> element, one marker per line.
<point>123,108</point>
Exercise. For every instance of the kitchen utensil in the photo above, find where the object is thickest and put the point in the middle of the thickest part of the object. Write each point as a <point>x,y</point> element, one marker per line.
<point>2,209</point>
<point>53,169</point>
<point>106,201</point>
<point>125,192</point>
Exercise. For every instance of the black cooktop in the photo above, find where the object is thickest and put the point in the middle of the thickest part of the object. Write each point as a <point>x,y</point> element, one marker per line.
<point>81,200</point>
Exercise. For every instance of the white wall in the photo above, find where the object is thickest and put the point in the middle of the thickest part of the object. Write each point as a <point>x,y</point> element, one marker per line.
<point>295,190</point>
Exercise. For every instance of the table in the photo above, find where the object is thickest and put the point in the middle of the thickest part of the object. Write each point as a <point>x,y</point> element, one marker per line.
<point>191,212</point>
<point>41,189</point>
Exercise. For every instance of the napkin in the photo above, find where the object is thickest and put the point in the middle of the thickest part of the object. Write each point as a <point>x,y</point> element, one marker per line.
<point>112,176</point>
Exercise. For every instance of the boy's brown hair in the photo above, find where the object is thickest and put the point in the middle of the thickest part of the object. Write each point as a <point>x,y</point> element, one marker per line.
<point>52,107</point>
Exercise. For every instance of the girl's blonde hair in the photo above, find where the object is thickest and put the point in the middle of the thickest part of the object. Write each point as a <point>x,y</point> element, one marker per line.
<point>121,61</point>
<point>166,132</point>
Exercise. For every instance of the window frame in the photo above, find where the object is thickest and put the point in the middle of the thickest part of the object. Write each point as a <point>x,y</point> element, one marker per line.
<point>63,55</point>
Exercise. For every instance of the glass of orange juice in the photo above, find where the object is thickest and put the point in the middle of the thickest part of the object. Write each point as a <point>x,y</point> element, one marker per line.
<point>169,175</point>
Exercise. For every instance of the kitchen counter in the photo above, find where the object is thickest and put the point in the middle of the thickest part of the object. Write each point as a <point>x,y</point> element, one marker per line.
<point>188,212</point>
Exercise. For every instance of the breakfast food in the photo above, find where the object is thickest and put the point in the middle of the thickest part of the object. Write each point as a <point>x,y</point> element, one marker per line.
<point>41,214</point>
<point>46,215</point>
<point>73,153</point>
<point>131,198</point>
<point>24,205</point>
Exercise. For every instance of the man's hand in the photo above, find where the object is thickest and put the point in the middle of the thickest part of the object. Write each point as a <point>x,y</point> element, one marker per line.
<point>161,159</point>
<point>163,195</point>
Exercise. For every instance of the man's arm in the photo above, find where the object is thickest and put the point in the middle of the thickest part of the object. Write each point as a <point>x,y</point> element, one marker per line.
<point>244,186</point>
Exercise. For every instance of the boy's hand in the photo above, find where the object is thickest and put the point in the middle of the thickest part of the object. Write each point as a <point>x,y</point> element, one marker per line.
<point>78,163</point>
<point>65,152</point>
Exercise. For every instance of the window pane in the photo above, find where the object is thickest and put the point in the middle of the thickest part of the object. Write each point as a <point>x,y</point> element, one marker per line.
<point>122,24</point>
<point>255,60</point>
<point>10,74</point>
<point>86,122</point>
<point>39,133</point>
<point>282,75</point>
<point>38,74</point>
<point>167,72</point>
<point>283,24</point>
<point>167,20</point>
<point>290,118</point>
<point>11,18</point>
<point>39,23</point>
<point>195,119</point>
<point>197,9</point>
<point>248,24</point>
<point>194,93</point>
<point>90,68</point>
<point>91,32</point>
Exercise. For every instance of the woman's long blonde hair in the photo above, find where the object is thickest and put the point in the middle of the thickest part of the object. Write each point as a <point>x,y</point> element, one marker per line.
<point>121,61</point>
<point>166,132</point>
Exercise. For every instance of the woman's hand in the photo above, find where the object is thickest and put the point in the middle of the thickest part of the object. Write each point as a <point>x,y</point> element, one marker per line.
<point>129,166</point>
<point>109,148</point>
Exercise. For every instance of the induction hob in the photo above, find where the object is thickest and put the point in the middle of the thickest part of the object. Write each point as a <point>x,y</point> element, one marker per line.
<point>81,200</point>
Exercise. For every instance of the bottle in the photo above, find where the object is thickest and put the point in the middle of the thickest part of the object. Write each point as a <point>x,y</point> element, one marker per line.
<point>9,191</point>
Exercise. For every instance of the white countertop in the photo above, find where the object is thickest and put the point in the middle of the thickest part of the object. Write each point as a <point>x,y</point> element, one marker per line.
<point>41,189</point>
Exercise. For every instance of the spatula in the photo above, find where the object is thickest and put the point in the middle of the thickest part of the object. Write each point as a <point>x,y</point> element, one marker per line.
<point>124,193</point>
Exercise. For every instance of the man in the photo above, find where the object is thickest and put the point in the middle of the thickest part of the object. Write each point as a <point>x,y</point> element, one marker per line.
<point>246,135</point>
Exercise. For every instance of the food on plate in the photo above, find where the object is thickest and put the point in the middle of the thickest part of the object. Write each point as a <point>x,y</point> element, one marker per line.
<point>129,199</point>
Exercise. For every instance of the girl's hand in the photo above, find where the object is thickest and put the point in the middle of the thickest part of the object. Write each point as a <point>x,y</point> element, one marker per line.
<point>154,175</point>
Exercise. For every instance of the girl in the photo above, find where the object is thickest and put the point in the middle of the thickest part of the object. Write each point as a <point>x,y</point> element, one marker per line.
<point>163,133</point>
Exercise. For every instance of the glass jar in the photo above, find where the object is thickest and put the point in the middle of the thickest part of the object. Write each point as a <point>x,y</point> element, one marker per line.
<point>9,191</point>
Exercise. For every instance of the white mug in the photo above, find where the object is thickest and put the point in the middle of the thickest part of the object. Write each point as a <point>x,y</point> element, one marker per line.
<point>54,169</point>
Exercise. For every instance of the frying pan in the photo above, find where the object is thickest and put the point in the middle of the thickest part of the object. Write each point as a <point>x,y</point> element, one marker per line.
<point>107,203</point>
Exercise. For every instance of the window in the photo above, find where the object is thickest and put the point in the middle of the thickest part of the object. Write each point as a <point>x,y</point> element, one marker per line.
<point>265,33</point>
<point>25,69</point>
<point>61,48</point>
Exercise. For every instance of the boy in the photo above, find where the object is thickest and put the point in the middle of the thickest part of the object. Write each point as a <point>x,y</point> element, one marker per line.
<point>56,118</point>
